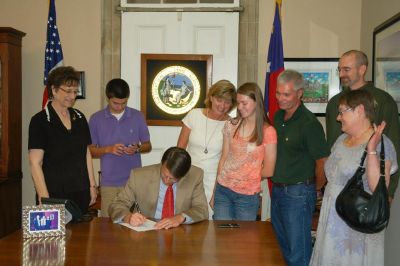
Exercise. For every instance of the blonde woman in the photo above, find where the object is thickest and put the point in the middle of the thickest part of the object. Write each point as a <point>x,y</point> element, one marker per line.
<point>201,133</point>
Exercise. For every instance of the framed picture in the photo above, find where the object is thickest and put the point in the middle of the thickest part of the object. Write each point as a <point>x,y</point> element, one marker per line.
<point>321,81</point>
<point>386,54</point>
<point>172,85</point>
<point>82,88</point>
<point>43,221</point>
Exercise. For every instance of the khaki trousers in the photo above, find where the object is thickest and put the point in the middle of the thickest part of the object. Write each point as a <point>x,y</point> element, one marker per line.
<point>107,196</point>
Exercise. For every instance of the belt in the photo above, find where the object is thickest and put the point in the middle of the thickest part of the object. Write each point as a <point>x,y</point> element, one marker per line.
<point>306,182</point>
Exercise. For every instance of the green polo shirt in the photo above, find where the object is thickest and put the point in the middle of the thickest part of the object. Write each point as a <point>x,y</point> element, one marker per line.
<point>301,141</point>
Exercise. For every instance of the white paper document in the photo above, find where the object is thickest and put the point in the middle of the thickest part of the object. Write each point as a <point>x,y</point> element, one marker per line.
<point>146,226</point>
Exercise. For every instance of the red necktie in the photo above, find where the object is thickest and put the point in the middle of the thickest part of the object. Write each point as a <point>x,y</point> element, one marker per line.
<point>168,207</point>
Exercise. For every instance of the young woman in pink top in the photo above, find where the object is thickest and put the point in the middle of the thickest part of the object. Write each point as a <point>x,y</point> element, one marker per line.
<point>248,152</point>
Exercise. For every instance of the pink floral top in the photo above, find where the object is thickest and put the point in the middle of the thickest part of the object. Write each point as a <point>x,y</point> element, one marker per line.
<point>241,171</point>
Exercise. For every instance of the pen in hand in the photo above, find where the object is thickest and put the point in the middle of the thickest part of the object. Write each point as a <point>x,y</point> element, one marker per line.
<point>135,218</point>
<point>136,207</point>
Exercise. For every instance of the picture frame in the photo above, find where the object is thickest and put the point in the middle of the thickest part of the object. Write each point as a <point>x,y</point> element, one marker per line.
<point>172,85</point>
<point>43,251</point>
<point>321,81</point>
<point>43,221</point>
<point>386,57</point>
<point>82,86</point>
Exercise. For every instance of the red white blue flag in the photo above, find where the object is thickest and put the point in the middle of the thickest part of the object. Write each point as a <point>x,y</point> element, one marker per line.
<point>53,57</point>
<point>274,63</point>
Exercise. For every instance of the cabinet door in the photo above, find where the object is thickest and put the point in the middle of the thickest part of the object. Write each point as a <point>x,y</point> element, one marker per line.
<point>1,107</point>
<point>10,130</point>
<point>3,113</point>
<point>10,103</point>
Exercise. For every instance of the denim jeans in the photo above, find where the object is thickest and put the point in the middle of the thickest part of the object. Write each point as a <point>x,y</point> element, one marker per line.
<point>229,205</point>
<point>292,209</point>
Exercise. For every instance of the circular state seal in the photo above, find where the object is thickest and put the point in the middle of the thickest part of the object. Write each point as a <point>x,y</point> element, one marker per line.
<point>175,90</point>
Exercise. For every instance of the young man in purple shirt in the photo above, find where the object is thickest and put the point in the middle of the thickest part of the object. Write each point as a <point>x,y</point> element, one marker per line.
<point>119,135</point>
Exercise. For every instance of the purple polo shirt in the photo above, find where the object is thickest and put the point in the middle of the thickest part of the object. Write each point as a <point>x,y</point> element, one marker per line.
<point>106,130</point>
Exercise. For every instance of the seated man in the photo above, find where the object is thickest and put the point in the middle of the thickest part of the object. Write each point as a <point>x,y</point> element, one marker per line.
<point>171,191</point>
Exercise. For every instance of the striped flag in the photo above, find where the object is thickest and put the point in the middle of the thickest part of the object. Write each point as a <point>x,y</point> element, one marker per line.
<point>53,57</point>
<point>274,63</point>
<point>274,67</point>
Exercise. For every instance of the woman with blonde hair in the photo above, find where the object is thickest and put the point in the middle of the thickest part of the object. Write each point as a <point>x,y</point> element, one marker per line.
<point>201,133</point>
<point>248,153</point>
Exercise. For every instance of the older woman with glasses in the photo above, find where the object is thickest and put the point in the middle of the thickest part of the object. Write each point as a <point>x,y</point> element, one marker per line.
<point>60,161</point>
<point>337,243</point>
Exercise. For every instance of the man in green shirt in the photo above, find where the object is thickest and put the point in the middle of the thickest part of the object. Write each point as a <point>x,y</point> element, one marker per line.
<point>299,170</point>
<point>352,69</point>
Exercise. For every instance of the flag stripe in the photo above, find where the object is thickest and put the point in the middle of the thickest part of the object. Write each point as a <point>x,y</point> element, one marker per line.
<point>275,64</point>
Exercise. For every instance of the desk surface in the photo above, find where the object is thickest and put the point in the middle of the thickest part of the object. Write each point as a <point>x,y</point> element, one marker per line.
<point>100,242</point>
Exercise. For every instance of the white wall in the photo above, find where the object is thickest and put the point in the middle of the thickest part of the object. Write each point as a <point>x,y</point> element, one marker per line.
<point>79,24</point>
<point>310,28</point>
<point>374,13</point>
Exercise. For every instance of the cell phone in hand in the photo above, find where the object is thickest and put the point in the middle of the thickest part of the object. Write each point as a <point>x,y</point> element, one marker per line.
<point>230,225</point>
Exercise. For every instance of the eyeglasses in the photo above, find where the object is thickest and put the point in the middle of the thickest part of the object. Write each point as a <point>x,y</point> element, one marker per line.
<point>344,111</point>
<point>74,92</point>
<point>344,69</point>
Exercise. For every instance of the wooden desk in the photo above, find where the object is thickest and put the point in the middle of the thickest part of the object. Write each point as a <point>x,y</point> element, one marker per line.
<point>101,242</point>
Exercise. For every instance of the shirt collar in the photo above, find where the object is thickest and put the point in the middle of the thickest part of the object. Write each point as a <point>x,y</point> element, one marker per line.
<point>162,185</point>
<point>50,112</point>
<point>367,85</point>
<point>108,114</point>
<point>295,115</point>
<point>298,111</point>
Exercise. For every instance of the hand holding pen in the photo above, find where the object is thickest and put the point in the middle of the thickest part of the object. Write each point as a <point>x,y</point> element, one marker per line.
<point>136,218</point>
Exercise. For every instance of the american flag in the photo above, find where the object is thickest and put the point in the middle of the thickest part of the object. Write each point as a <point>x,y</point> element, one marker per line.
<point>53,57</point>
<point>274,63</point>
<point>275,66</point>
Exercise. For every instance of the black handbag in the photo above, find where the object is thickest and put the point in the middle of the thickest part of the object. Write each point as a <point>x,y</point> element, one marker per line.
<point>360,210</point>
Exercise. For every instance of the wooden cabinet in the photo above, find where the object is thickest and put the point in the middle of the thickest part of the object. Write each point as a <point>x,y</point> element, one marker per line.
<point>10,130</point>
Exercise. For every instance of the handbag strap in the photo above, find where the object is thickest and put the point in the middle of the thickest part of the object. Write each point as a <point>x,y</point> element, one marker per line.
<point>363,157</point>
<point>381,155</point>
